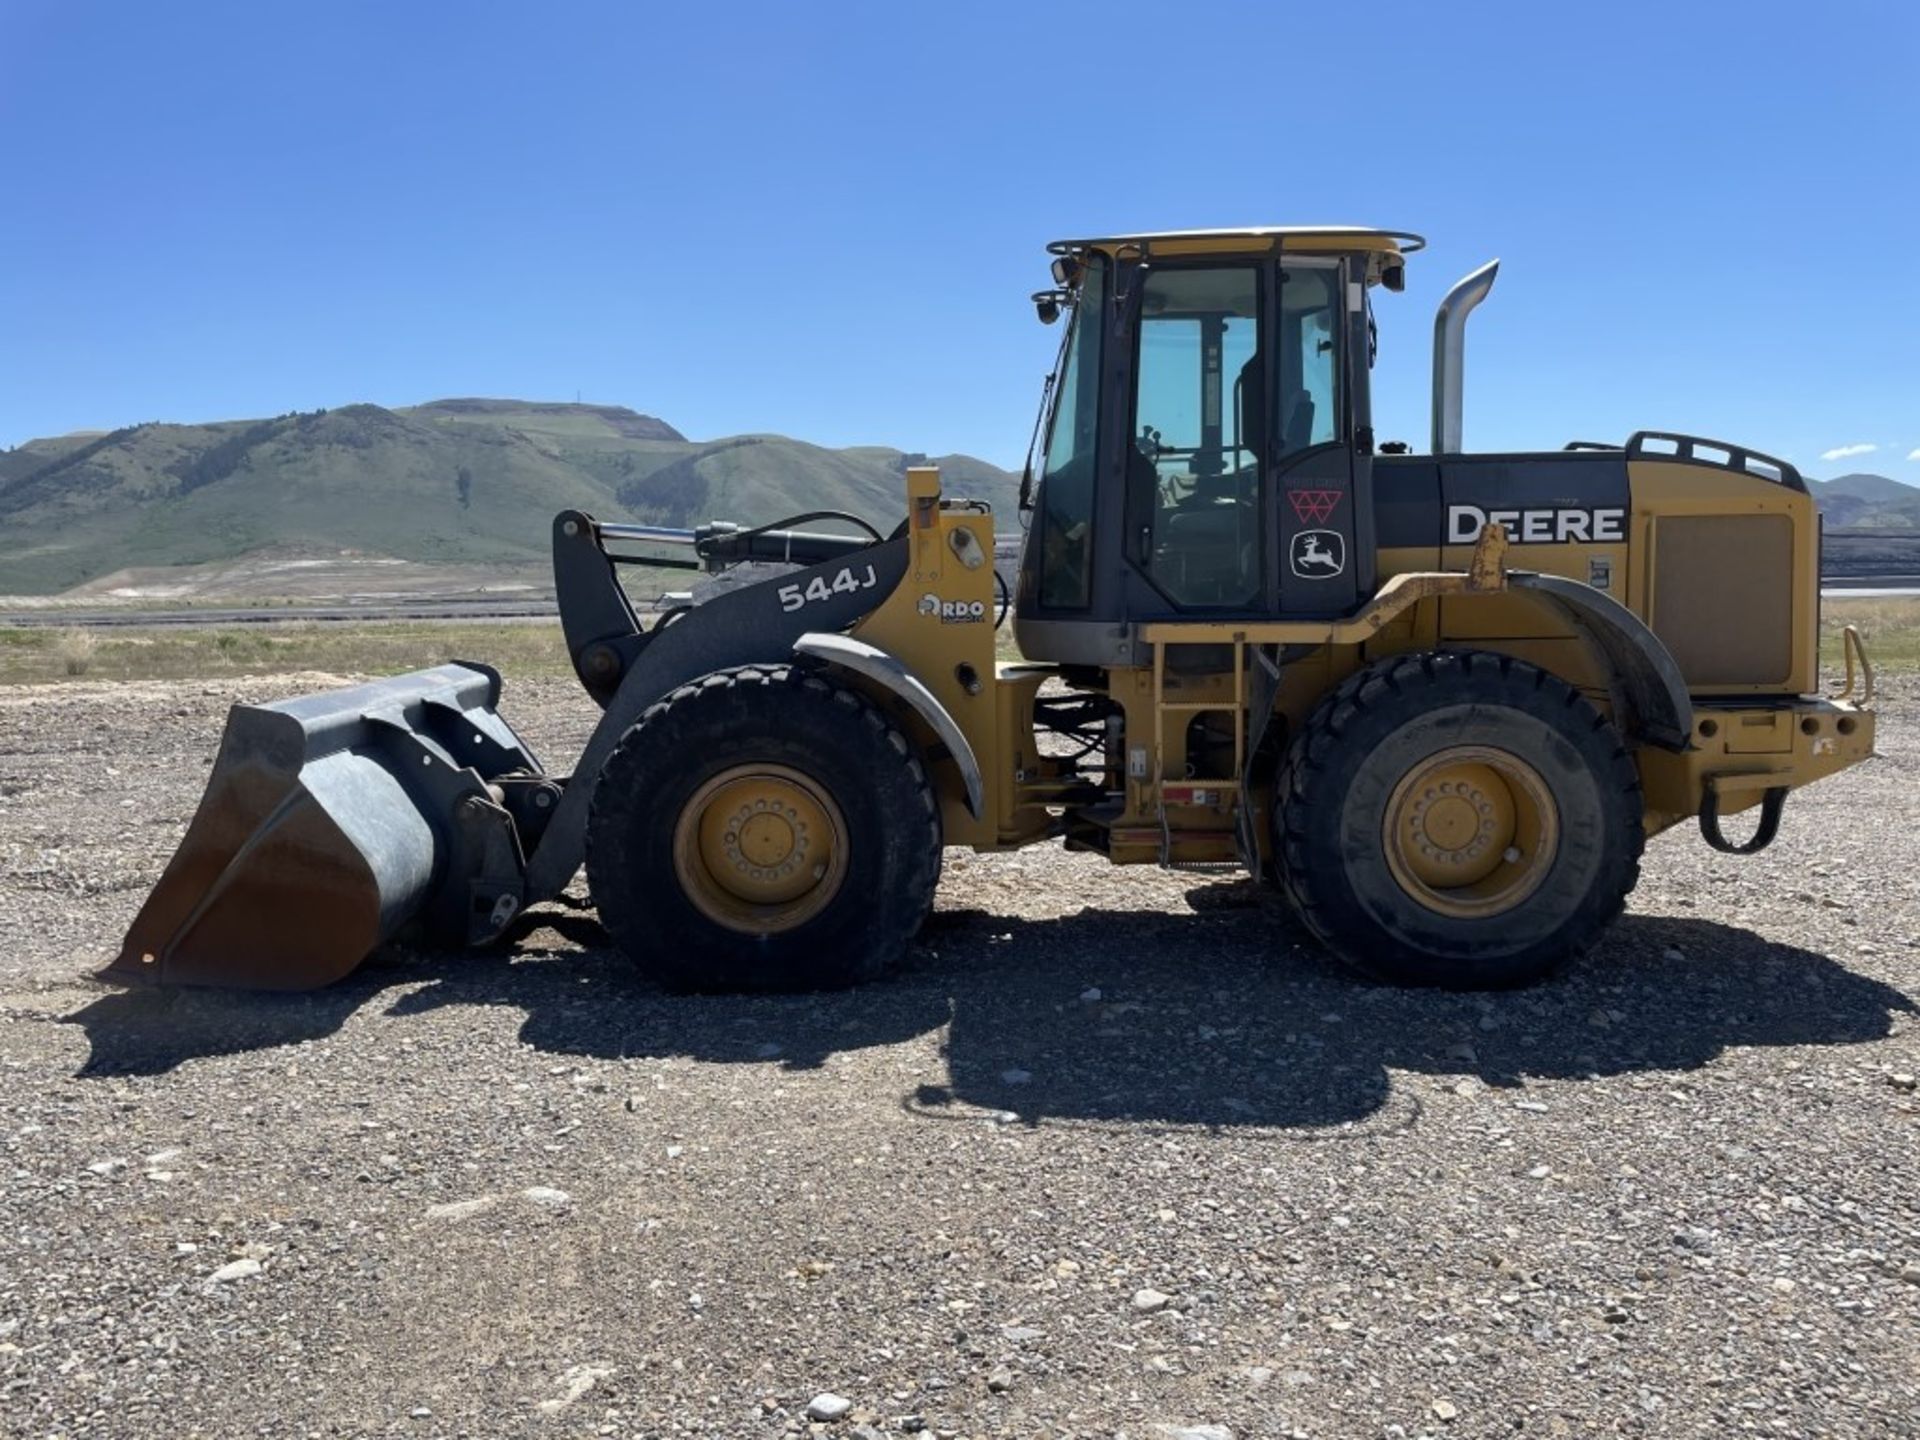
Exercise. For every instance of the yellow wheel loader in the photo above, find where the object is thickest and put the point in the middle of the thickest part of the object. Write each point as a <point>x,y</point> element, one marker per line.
<point>1439,700</point>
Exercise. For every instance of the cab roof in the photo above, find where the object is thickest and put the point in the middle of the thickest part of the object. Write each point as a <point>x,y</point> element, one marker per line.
<point>1383,247</point>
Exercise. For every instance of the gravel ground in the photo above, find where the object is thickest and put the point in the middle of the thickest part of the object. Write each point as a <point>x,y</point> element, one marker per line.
<point>1118,1152</point>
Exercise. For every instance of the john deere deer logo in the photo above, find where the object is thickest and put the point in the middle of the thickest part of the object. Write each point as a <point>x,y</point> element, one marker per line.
<point>1318,554</point>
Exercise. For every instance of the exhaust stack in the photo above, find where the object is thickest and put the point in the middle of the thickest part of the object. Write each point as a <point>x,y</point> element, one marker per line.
<point>1450,355</point>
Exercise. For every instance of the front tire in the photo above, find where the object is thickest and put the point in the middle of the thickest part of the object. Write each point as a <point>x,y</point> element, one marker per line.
<point>763,828</point>
<point>1464,820</point>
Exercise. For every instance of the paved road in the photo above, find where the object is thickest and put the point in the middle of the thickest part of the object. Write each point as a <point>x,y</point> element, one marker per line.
<point>1868,585</point>
<point>1859,587</point>
<point>275,614</point>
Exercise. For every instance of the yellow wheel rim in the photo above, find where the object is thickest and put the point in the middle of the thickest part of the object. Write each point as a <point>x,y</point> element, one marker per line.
<point>760,849</point>
<point>1471,831</point>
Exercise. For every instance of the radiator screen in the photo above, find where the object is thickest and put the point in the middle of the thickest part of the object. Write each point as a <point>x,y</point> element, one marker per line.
<point>1723,596</point>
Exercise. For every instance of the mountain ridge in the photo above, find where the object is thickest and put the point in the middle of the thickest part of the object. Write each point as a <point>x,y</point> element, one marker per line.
<point>1865,501</point>
<point>475,480</point>
<point>455,481</point>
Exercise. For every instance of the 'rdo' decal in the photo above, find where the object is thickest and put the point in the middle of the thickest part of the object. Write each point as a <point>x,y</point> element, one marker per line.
<point>954,612</point>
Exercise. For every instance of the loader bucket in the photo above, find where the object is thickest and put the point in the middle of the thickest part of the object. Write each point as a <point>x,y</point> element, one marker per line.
<point>329,822</point>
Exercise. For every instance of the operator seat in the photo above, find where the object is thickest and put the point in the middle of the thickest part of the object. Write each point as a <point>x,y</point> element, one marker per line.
<point>1211,552</point>
<point>1250,401</point>
<point>1296,426</point>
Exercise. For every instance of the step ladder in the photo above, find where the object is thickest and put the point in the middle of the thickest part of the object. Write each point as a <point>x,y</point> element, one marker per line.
<point>1233,791</point>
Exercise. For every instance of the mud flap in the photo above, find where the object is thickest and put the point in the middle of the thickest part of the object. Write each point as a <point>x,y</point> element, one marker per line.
<point>330,821</point>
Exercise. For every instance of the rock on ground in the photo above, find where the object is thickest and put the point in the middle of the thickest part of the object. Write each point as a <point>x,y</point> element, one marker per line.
<point>1329,1181</point>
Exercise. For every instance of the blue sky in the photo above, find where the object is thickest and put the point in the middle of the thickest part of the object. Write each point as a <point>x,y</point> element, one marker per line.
<point>824,219</point>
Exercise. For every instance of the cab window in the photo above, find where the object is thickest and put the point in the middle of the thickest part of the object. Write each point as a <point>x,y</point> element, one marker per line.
<point>1310,332</point>
<point>1066,484</point>
<point>1193,459</point>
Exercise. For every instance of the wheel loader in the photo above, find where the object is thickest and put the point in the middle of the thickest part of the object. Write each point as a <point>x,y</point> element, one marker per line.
<point>1439,700</point>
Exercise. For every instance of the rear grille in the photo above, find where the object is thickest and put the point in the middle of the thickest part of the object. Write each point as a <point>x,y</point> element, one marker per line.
<point>1723,596</point>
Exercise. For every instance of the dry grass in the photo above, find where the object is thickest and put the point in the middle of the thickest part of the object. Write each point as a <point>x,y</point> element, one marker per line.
<point>191,652</point>
<point>1889,625</point>
<point>73,650</point>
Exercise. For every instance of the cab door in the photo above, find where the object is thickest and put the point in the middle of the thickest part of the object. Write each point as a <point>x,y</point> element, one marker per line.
<point>1195,527</point>
<point>1322,541</point>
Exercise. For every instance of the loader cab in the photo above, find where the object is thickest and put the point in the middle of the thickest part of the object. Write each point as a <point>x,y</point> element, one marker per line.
<point>1207,454</point>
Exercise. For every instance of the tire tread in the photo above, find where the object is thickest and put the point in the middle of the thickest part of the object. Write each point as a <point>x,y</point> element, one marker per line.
<point>1396,681</point>
<point>680,720</point>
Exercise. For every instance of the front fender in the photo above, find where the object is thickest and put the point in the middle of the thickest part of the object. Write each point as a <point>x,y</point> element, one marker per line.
<point>740,627</point>
<point>874,664</point>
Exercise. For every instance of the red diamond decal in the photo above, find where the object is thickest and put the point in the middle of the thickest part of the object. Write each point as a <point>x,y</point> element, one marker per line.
<point>1314,507</point>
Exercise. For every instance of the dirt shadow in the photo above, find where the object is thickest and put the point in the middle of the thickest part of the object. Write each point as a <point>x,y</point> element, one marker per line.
<point>1226,1017</point>
<point>151,1031</point>
<point>1233,1017</point>
<point>581,997</point>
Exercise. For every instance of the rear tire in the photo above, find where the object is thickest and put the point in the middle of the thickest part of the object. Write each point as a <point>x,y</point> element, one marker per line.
<point>1464,820</point>
<point>760,829</point>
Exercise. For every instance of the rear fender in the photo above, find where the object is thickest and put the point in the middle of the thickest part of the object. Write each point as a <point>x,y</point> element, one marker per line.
<point>1650,697</point>
<point>873,664</point>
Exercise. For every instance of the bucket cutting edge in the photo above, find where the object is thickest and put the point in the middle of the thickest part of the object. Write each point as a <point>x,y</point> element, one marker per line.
<point>330,822</point>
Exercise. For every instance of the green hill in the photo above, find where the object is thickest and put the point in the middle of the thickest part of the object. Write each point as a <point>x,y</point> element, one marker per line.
<point>459,481</point>
<point>1870,522</point>
<point>1863,501</point>
<point>476,482</point>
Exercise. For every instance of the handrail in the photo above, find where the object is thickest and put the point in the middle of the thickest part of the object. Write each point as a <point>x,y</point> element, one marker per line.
<point>1407,242</point>
<point>1686,449</point>
<point>1851,646</point>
